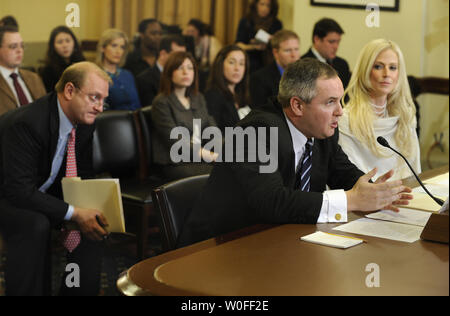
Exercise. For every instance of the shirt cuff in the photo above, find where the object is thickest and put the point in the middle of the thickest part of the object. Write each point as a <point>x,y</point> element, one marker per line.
<point>334,207</point>
<point>69,213</point>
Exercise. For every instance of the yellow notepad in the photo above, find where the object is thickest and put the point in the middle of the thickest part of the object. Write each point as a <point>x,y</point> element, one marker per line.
<point>99,194</point>
<point>332,240</point>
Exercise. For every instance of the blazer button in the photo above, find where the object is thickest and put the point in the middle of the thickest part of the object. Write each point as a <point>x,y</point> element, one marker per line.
<point>338,217</point>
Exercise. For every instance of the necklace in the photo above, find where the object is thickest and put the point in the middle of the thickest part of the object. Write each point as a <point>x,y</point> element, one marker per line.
<point>380,110</point>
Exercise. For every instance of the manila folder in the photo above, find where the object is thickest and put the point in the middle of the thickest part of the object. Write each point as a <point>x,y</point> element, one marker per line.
<point>99,194</point>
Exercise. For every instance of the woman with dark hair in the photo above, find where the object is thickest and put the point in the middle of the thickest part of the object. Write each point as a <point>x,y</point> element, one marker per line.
<point>206,45</point>
<point>63,51</point>
<point>227,95</point>
<point>262,16</point>
<point>173,113</point>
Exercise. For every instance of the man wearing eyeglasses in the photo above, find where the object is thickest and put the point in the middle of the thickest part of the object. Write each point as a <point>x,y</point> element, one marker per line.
<point>18,87</point>
<point>39,145</point>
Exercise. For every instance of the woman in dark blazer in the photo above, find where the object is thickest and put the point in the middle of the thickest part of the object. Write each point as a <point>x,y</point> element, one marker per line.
<point>179,116</point>
<point>63,51</point>
<point>227,95</point>
<point>262,16</point>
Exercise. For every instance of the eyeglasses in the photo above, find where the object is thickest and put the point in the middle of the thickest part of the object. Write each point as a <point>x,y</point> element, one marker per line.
<point>95,99</point>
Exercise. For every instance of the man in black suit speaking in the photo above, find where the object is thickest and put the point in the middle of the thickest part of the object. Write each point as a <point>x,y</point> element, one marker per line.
<point>306,115</point>
<point>41,143</point>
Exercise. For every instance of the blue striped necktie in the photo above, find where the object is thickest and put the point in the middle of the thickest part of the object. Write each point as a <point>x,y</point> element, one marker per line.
<point>303,179</point>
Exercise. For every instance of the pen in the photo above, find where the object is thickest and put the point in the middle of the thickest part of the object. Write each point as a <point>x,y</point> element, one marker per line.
<point>105,237</point>
<point>365,241</point>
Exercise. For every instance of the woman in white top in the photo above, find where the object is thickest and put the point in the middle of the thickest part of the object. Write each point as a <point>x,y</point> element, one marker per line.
<point>380,104</point>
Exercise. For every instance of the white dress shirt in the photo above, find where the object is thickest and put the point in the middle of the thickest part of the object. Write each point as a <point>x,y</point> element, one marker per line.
<point>6,73</point>
<point>334,205</point>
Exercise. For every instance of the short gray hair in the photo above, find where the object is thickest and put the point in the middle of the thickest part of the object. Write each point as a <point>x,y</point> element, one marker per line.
<point>299,80</point>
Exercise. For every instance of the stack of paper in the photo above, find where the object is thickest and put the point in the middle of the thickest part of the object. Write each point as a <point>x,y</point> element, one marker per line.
<point>332,240</point>
<point>383,229</point>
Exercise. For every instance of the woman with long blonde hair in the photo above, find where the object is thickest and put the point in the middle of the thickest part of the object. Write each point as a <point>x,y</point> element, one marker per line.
<point>111,55</point>
<point>380,104</point>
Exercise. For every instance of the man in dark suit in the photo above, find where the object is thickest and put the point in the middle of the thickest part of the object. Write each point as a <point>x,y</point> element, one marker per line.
<point>148,81</point>
<point>264,82</point>
<point>145,47</point>
<point>33,161</point>
<point>18,87</point>
<point>327,35</point>
<point>308,158</point>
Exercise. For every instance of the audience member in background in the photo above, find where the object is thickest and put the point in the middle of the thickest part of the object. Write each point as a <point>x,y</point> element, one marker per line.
<point>63,51</point>
<point>264,82</point>
<point>177,105</point>
<point>18,87</point>
<point>111,54</point>
<point>9,20</point>
<point>327,35</point>
<point>148,81</point>
<point>227,95</point>
<point>145,47</point>
<point>262,16</point>
<point>380,104</point>
<point>206,45</point>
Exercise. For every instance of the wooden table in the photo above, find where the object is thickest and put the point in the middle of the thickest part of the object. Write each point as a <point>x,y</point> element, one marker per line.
<point>272,261</point>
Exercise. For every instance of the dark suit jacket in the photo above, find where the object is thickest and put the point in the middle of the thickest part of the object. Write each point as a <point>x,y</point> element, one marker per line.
<point>221,109</point>
<point>147,84</point>
<point>29,136</point>
<point>264,84</point>
<point>237,195</point>
<point>339,64</point>
<point>34,85</point>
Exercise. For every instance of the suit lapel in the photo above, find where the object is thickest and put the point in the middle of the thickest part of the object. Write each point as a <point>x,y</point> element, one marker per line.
<point>28,83</point>
<point>6,89</point>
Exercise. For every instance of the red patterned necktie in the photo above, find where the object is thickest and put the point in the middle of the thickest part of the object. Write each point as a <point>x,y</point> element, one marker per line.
<point>20,94</point>
<point>72,238</point>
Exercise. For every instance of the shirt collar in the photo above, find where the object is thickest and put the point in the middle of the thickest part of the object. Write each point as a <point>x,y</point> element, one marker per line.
<point>65,126</point>
<point>318,56</point>
<point>298,139</point>
<point>161,68</point>
<point>280,69</point>
<point>6,72</point>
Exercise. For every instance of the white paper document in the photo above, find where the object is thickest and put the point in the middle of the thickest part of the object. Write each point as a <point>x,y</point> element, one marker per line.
<point>442,179</point>
<point>405,216</point>
<point>382,229</point>
<point>439,190</point>
<point>332,240</point>
<point>262,36</point>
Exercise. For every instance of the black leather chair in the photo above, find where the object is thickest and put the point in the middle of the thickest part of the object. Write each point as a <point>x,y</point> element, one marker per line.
<point>117,151</point>
<point>173,203</point>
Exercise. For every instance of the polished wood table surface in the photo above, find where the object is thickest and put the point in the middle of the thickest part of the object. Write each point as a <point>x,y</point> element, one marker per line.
<point>272,261</point>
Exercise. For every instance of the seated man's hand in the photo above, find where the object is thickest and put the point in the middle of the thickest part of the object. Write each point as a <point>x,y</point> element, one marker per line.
<point>367,197</point>
<point>88,224</point>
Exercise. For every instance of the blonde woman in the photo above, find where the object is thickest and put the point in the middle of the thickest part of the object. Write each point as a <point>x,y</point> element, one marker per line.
<point>111,54</point>
<point>380,104</point>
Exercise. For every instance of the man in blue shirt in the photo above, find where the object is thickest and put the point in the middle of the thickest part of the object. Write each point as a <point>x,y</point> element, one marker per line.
<point>33,155</point>
<point>264,83</point>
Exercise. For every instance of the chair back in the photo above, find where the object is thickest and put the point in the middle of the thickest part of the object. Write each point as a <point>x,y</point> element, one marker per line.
<point>115,144</point>
<point>173,203</point>
<point>145,122</point>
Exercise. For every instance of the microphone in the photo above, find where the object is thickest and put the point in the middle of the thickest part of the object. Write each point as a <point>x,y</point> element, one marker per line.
<point>383,142</point>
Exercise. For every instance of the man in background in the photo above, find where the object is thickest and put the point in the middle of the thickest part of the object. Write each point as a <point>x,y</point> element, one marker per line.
<point>327,36</point>
<point>148,81</point>
<point>18,87</point>
<point>264,83</point>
